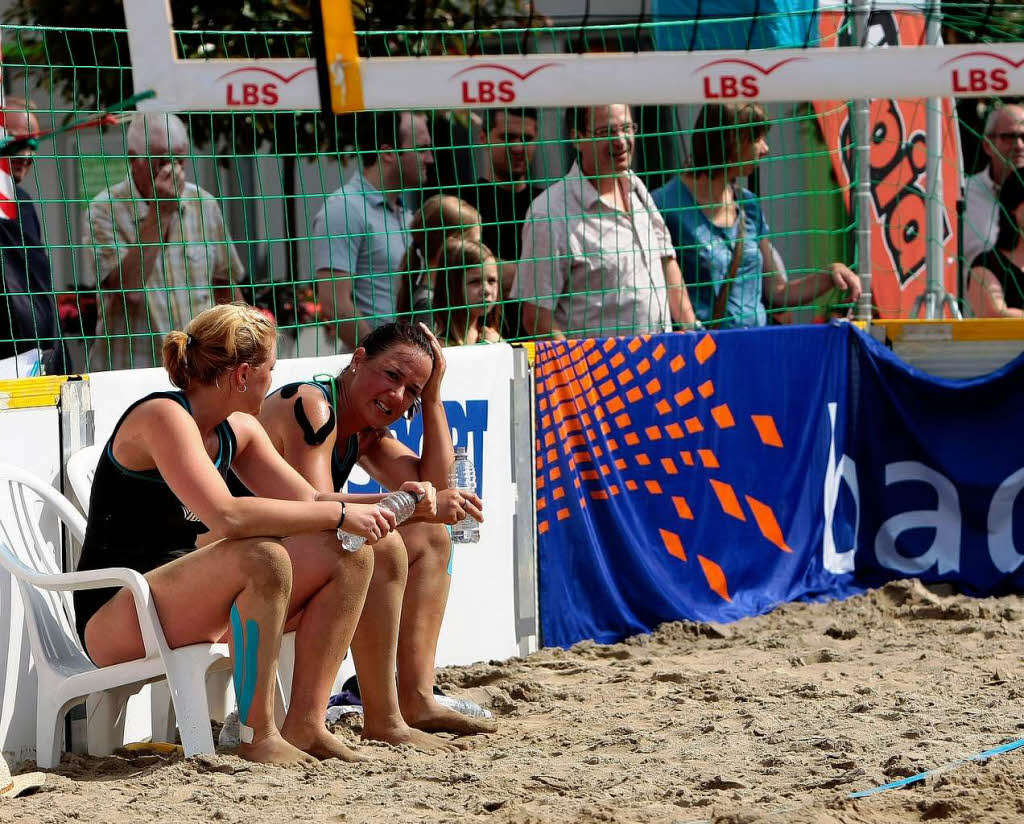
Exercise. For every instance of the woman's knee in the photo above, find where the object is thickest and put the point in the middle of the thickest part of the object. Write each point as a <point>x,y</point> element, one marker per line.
<point>390,559</point>
<point>429,540</point>
<point>266,566</point>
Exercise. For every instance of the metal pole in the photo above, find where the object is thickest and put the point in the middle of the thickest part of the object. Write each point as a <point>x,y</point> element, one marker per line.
<point>862,188</point>
<point>935,289</point>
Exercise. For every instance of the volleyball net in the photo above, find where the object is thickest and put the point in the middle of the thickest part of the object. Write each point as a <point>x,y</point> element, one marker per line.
<point>278,210</point>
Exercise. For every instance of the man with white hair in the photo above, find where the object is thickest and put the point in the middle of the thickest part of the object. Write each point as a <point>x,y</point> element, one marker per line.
<point>158,246</point>
<point>1003,144</point>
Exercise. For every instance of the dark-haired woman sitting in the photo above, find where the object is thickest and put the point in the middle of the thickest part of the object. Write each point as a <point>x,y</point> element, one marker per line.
<point>323,430</point>
<point>160,486</point>
<point>995,284</point>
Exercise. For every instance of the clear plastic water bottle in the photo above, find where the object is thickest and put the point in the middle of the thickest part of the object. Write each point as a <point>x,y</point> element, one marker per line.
<point>462,476</point>
<point>403,504</point>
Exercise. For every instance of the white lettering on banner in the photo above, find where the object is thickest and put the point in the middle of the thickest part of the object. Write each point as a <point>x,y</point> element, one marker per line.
<point>838,562</point>
<point>944,519</point>
<point>1000,524</point>
<point>946,546</point>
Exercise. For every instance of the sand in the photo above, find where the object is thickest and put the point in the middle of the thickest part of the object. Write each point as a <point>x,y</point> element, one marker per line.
<point>771,719</point>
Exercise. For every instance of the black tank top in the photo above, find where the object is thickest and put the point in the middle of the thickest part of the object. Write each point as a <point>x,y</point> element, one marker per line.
<point>341,466</point>
<point>135,520</point>
<point>1009,275</point>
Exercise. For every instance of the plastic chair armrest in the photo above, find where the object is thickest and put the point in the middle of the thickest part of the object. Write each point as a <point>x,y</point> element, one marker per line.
<point>149,621</point>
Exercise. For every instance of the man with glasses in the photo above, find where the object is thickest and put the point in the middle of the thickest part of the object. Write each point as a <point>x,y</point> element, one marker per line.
<point>596,257</point>
<point>28,313</point>
<point>1003,144</point>
<point>158,246</point>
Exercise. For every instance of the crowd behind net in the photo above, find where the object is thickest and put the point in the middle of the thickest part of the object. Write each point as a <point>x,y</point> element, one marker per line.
<point>270,174</point>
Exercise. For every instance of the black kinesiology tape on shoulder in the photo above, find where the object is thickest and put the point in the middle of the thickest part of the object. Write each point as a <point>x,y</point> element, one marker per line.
<point>314,437</point>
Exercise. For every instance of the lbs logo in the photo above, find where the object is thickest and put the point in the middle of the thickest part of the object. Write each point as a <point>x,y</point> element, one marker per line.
<point>249,93</point>
<point>735,79</point>
<point>984,79</point>
<point>494,83</point>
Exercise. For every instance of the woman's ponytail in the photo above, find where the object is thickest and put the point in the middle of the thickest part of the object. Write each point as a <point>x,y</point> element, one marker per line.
<point>176,358</point>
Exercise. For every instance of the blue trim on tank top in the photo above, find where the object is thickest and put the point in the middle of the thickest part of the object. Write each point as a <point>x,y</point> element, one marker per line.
<point>154,474</point>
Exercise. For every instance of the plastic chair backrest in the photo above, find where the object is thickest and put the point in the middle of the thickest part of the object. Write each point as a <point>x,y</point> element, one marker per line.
<point>81,470</point>
<point>25,552</point>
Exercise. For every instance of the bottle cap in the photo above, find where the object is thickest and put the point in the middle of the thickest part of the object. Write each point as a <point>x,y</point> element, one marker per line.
<point>461,450</point>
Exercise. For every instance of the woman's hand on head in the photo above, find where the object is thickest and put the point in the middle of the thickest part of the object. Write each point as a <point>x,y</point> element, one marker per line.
<point>453,505</point>
<point>369,521</point>
<point>432,390</point>
<point>426,507</point>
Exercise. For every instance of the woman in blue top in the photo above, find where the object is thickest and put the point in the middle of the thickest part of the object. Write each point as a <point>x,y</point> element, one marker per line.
<point>731,269</point>
<point>159,493</point>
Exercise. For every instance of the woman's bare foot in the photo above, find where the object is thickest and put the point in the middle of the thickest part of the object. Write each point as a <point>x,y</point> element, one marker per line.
<point>432,717</point>
<point>404,734</point>
<point>273,749</point>
<point>321,744</point>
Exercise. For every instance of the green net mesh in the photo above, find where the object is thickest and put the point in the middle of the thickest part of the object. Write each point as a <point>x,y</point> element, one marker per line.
<point>129,227</point>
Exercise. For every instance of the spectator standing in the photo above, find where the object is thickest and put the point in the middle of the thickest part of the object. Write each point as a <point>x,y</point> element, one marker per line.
<point>995,283</point>
<point>1003,144</point>
<point>503,194</point>
<point>720,232</point>
<point>596,257</point>
<point>158,246</point>
<point>361,234</point>
<point>28,312</point>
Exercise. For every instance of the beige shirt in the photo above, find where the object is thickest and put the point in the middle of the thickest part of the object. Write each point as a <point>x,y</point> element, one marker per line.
<point>981,215</point>
<point>597,268</point>
<point>196,254</point>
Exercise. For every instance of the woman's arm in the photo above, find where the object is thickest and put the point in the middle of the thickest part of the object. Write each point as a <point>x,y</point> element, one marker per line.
<point>780,291</point>
<point>986,296</point>
<point>168,434</point>
<point>305,475</point>
<point>438,452</point>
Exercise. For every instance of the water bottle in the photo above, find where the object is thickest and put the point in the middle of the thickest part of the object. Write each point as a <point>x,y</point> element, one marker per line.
<point>401,503</point>
<point>462,476</point>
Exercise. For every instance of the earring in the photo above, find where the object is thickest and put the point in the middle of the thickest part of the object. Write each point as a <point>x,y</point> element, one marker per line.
<point>245,388</point>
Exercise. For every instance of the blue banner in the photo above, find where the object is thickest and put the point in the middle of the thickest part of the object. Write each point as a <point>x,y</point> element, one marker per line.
<point>735,24</point>
<point>685,476</point>
<point>931,481</point>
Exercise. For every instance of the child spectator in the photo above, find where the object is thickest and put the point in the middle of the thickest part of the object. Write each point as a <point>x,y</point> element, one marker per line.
<point>440,217</point>
<point>467,295</point>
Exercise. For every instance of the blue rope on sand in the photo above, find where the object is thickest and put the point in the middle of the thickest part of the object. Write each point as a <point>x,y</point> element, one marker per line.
<point>903,782</point>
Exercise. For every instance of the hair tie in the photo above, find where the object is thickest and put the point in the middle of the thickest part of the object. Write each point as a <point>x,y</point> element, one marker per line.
<point>189,340</point>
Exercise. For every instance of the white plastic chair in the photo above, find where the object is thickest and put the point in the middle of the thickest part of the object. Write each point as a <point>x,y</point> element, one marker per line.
<point>64,673</point>
<point>81,469</point>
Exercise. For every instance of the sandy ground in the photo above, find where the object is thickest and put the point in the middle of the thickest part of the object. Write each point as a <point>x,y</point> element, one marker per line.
<point>772,719</point>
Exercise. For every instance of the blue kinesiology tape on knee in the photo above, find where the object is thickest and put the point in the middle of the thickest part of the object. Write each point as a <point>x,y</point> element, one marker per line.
<point>247,646</point>
<point>451,553</point>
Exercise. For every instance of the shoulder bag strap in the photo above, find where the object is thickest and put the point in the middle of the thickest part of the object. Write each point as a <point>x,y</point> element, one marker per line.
<point>722,298</point>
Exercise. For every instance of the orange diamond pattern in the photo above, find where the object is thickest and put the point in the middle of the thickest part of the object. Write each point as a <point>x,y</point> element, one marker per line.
<point>585,386</point>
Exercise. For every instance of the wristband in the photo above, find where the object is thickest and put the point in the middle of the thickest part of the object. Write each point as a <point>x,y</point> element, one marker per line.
<point>341,520</point>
